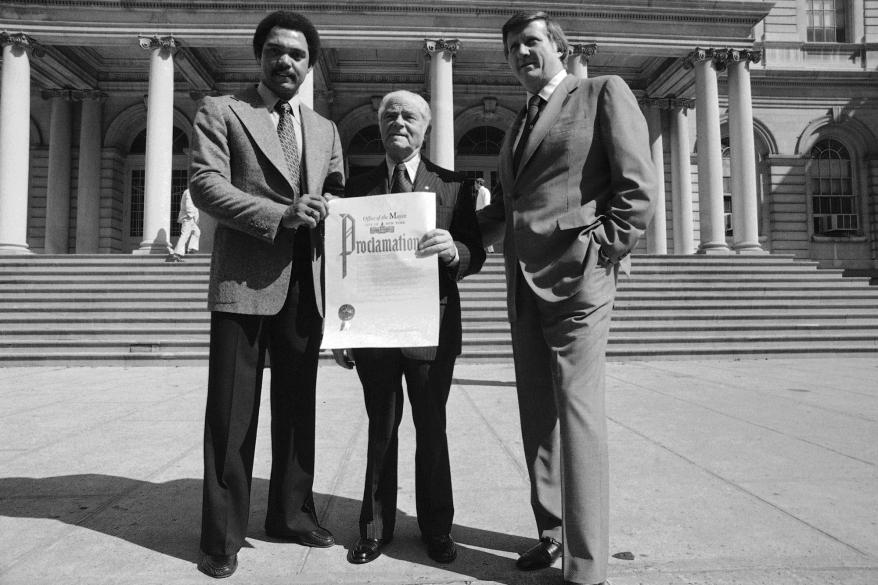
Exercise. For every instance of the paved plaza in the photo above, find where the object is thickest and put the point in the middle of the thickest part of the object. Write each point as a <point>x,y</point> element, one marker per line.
<point>756,472</point>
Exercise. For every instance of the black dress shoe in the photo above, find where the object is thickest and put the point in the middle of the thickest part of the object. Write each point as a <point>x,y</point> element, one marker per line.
<point>441,548</point>
<point>317,538</point>
<point>366,550</point>
<point>218,566</point>
<point>540,556</point>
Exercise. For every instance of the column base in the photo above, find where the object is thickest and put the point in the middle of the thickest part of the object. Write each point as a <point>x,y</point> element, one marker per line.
<point>15,249</point>
<point>717,248</point>
<point>151,248</point>
<point>749,248</point>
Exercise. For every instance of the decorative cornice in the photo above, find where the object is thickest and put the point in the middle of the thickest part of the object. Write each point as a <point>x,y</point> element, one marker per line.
<point>721,57</point>
<point>166,43</point>
<point>434,46</point>
<point>587,50</point>
<point>23,41</point>
<point>667,103</point>
<point>74,95</point>
<point>197,94</point>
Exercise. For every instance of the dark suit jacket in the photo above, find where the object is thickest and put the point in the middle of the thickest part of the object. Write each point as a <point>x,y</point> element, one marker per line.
<point>238,175</point>
<point>584,190</point>
<point>455,212</point>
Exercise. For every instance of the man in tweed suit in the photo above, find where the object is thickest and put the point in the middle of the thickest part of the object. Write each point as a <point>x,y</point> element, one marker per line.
<point>262,166</point>
<point>403,118</point>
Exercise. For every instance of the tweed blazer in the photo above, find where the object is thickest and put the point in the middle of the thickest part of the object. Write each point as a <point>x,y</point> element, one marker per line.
<point>239,176</point>
<point>455,212</point>
<point>583,192</point>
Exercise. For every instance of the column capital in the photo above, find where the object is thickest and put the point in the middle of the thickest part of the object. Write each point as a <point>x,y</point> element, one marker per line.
<point>667,103</point>
<point>22,41</point>
<point>721,57</point>
<point>48,94</point>
<point>83,95</point>
<point>586,50</point>
<point>167,43</point>
<point>434,46</point>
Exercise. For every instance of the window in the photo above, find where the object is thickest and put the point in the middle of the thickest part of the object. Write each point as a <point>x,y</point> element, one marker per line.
<point>833,203</point>
<point>484,140</point>
<point>827,21</point>
<point>179,180</point>
<point>727,186</point>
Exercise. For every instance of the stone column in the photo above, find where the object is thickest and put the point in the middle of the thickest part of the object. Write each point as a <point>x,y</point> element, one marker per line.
<point>441,53</point>
<point>577,60</point>
<point>159,137</point>
<point>88,192</point>
<point>306,90</point>
<point>14,140</point>
<point>745,203</point>
<point>710,163</point>
<point>656,232</point>
<point>57,234</point>
<point>681,179</point>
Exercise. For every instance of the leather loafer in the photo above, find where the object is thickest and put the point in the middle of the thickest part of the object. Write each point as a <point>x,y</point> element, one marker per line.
<point>218,566</point>
<point>317,538</point>
<point>540,556</point>
<point>441,548</point>
<point>366,550</point>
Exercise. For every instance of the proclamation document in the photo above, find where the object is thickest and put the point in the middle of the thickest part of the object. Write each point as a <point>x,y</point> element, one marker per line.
<point>379,292</point>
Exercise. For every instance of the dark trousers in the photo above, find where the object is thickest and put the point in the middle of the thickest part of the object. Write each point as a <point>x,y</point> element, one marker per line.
<point>237,356</point>
<point>428,383</point>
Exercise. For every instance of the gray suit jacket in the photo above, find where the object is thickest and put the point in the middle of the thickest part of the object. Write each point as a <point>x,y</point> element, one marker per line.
<point>583,193</point>
<point>238,175</point>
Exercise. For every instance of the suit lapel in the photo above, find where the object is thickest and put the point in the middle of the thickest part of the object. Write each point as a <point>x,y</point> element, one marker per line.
<point>255,118</point>
<point>548,117</point>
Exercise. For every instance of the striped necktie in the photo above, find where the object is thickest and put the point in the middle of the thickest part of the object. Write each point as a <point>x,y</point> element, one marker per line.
<point>401,182</point>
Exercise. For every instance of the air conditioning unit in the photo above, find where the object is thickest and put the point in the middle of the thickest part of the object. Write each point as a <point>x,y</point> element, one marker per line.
<point>836,222</point>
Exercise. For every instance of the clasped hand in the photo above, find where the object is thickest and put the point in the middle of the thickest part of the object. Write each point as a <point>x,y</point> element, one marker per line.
<point>438,241</point>
<point>308,211</point>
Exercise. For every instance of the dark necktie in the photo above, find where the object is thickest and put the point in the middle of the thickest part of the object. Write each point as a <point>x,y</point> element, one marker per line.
<point>287,136</point>
<point>534,105</point>
<point>401,182</point>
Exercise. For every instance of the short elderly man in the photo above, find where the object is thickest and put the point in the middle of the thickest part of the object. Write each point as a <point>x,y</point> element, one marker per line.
<point>262,165</point>
<point>403,118</point>
<point>577,184</point>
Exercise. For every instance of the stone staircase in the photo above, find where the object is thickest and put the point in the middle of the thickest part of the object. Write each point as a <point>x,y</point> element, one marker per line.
<point>137,310</point>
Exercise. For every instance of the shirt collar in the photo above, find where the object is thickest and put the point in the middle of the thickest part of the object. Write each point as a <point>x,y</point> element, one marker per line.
<point>548,89</point>
<point>270,99</point>
<point>411,165</point>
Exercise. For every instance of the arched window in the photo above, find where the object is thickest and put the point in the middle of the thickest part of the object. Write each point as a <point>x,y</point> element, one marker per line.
<point>365,150</point>
<point>827,21</point>
<point>483,140</point>
<point>833,202</point>
<point>179,180</point>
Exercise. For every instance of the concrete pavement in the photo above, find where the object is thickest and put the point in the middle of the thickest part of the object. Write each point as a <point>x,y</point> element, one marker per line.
<point>723,472</point>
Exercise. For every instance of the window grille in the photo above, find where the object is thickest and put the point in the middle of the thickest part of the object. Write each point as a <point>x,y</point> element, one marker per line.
<point>833,203</point>
<point>827,21</point>
<point>484,140</point>
<point>179,182</point>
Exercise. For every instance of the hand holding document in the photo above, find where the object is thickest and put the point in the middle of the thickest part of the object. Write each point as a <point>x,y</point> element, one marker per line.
<point>379,291</point>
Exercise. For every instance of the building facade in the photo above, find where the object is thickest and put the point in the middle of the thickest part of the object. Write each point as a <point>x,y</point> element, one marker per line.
<point>763,115</point>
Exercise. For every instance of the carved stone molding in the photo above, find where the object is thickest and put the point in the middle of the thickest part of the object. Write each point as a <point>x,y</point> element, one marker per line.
<point>197,94</point>
<point>434,46</point>
<point>587,50</point>
<point>23,41</point>
<point>74,95</point>
<point>667,103</point>
<point>721,57</point>
<point>489,105</point>
<point>168,43</point>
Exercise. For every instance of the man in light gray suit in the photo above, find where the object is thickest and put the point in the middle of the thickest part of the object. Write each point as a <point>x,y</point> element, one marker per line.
<point>262,166</point>
<point>577,186</point>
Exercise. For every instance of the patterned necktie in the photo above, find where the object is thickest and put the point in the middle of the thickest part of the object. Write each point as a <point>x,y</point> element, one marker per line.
<point>287,135</point>
<point>401,182</point>
<point>534,105</point>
